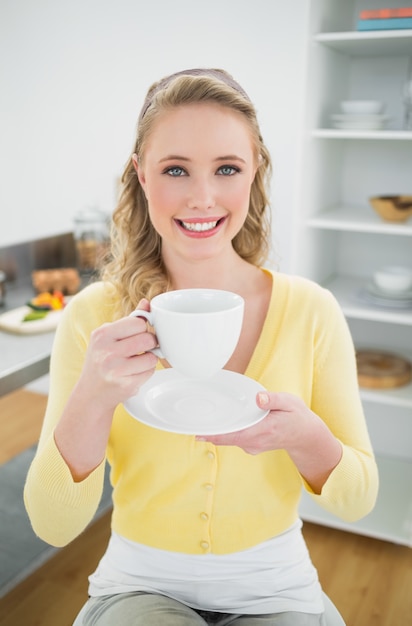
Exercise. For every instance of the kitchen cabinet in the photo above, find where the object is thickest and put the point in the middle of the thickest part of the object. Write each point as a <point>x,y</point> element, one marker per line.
<point>340,241</point>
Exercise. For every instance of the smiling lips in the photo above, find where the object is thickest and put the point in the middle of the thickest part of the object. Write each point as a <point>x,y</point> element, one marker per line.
<point>200,227</point>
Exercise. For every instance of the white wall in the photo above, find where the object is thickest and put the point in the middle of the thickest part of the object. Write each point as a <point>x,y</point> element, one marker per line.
<point>73,77</point>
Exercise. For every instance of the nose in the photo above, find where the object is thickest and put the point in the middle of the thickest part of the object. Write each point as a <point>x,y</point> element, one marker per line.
<point>201,194</point>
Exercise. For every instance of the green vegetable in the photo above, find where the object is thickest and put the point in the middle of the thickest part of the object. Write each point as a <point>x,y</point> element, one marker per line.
<point>32,316</point>
<point>39,307</point>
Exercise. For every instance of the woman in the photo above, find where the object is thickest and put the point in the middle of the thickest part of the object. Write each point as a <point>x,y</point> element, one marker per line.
<point>204,529</point>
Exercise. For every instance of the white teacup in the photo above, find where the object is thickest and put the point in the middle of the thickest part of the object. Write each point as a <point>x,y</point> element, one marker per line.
<point>197,329</point>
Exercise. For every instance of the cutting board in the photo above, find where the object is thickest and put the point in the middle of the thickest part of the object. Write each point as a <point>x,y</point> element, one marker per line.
<point>11,322</point>
<point>382,370</point>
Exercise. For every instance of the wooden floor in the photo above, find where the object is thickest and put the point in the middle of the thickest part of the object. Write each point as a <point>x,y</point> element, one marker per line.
<point>369,580</point>
<point>21,416</point>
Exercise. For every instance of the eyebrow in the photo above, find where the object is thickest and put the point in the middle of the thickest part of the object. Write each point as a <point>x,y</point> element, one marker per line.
<point>227,157</point>
<point>174,157</point>
<point>230,157</point>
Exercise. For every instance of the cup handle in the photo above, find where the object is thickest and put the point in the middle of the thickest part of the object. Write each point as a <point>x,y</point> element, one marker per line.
<point>147,316</point>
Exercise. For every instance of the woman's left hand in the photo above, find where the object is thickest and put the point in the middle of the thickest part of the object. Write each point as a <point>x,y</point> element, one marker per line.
<point>282,427</point>
<point>290,425</point>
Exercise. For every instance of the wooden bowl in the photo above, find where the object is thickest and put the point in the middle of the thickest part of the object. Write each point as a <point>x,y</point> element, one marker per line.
<point>392,208</point>
<point>382,370</point>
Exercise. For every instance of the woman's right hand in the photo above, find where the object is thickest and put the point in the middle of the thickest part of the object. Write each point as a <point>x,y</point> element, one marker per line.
<point>117,364</point>
<point>118,360</point>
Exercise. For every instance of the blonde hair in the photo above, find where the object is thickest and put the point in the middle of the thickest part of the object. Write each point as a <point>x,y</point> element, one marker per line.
<point>136,268</point>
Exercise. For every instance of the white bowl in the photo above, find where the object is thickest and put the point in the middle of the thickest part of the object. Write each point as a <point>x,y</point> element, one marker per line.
<point>361,106</point>
<point>393,279</point>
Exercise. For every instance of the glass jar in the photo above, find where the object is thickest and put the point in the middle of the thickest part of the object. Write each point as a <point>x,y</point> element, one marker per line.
<point>91,234</point>
<point>2,288</point>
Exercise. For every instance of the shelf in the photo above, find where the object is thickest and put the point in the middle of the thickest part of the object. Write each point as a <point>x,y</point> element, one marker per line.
<point>340,234</point>
<point>358,219</point>
<point>373,43</point>
<point>391,519</point>
<point>346,290</point>
<point>400,397</point>
<point>381,135</point>
<point>397,397</point>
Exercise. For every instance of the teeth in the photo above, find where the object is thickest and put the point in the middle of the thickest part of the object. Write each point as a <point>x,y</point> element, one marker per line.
<point>199,227</point>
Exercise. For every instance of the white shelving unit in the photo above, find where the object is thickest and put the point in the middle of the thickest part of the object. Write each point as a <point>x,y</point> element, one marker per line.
<point>381,135</point>
<point>341,241</point>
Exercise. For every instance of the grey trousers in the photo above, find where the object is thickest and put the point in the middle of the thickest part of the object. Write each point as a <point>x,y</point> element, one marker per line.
<point>145,609</point>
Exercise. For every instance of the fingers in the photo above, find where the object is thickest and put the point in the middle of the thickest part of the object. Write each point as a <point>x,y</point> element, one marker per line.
<point>118,358</point>
<point>136,344</point>
<point>279,429</point>
<point>139,367</point>
<point>263,400</point>
<point>142,310</point>
<point>127,328</point>
<point>125,338</point>
<point>143,304</point>
<point>135,324</point>
<point>115,345</point>
<point>280,401</point>
<point>252,440</point>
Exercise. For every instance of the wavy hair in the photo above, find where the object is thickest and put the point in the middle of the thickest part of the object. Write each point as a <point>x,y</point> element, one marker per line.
<point>135,267</point>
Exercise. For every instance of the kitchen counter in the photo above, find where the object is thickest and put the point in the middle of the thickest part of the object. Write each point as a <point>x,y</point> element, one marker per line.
<point>23,357</point>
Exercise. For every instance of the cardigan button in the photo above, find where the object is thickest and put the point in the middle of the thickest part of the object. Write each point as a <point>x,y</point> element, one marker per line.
<point>208,486</point>
<point>204,516</point>
<point>204,545</point>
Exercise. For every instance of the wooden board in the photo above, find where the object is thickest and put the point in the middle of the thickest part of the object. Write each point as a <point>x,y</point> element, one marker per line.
<point>382,370</point>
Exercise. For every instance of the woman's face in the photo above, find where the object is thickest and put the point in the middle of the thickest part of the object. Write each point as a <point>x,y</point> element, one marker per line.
<point>197,170</point>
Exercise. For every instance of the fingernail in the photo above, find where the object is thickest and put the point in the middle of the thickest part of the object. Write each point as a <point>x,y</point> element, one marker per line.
<point>263,398</point>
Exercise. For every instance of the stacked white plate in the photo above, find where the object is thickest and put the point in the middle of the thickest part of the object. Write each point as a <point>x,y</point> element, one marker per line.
<point>360,115</point>
<point>374,295</point>
<point>358,121</point>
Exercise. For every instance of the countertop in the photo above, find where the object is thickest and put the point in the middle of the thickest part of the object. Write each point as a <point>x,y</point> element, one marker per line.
<point>23,358</point>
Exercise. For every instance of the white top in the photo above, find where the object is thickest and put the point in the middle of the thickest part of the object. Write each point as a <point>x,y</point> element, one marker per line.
<point>274,576</point>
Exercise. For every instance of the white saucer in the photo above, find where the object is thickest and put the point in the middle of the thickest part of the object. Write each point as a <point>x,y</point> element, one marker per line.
<point>222,404</point>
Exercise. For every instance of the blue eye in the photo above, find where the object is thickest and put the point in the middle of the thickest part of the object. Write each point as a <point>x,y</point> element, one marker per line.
<point>227,170</point>
<point>175,171</point>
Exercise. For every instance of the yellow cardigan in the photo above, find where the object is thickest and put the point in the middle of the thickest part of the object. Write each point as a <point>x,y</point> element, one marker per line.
<point>175,493</point>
